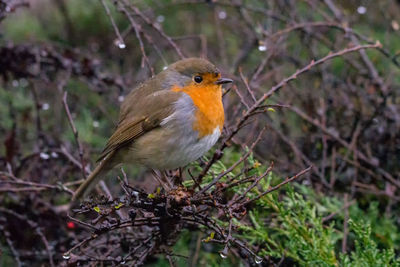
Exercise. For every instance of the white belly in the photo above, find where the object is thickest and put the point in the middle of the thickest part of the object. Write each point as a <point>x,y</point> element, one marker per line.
<point>185,150</point>
<point>174,144</point>
<point>178,151</point>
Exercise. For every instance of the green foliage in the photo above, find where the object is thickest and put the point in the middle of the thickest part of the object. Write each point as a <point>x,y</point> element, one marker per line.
<point>384,230</point>
<point>296,229</point>
<point>293,227</point>
<point>290,223</point>
<point>24,26</point>
<point>366,251</point>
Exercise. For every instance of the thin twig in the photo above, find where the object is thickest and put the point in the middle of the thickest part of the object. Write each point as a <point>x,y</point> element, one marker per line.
<point>76,134</point>
<point>121,43</point>
<point>272,91</point>
<point>37,229</point>
<point>287,180</point>
<point>233,166</point>
<point>122,6</point>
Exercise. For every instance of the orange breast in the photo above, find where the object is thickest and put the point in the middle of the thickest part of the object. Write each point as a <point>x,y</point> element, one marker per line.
<point>208,101</point>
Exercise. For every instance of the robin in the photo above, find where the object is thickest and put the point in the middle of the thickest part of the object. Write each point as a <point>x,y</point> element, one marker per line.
<point>167,122</point>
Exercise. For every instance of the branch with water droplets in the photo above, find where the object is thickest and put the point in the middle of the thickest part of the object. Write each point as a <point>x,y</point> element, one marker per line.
<point>253,109</point>
<point>120,41</point>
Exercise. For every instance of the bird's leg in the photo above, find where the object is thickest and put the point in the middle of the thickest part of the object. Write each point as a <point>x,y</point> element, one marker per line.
<point>178,176</point>
<point>163,180</point>
<point>167,174</point>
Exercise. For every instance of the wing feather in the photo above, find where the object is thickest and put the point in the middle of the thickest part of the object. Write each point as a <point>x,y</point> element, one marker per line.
<point>141,120</point>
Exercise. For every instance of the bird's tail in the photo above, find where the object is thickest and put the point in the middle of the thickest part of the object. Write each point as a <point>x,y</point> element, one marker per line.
<point>102,168</point>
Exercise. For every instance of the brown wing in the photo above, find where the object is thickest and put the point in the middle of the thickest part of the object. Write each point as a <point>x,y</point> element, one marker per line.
<point>145,117</point>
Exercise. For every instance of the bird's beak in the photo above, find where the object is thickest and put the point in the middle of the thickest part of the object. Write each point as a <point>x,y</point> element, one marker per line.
<point>223,81</point>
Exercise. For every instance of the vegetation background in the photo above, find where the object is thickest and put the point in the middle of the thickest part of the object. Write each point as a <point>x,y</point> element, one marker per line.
<point>70,63</point>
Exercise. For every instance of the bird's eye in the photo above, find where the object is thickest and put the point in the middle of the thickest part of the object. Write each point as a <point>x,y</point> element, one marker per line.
<point>198,79</point>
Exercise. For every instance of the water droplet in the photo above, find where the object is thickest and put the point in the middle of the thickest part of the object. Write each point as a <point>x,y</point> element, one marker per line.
<point>224,253</point>
<point>96,124</point>
<point>121,98</point>
<point>160,19</point>
<point>45,106</point>
<point>362,10</point>
<point>262,48</point>
<point>120,43</point>
<point>44,155</point>
<point>222,15</point>
<point>66,256</point>
<point>165,67</point>
<point>54,155</point>
<point>258,260</point>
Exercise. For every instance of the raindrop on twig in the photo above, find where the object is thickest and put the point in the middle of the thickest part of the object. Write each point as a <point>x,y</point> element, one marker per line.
<point>120,43</point>
<point>224,256</point>
<point>224,253</point>
<point>44,155</point>
<point>258,260</point>
<point>262,48</point>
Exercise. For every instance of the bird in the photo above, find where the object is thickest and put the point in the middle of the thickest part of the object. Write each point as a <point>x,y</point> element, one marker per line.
<point>168,121</point>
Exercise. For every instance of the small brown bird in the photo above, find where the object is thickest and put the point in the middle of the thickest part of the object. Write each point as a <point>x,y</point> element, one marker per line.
<point>167,122</point>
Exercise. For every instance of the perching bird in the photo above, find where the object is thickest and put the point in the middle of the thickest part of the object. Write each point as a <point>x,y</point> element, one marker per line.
<point>167,122</point>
